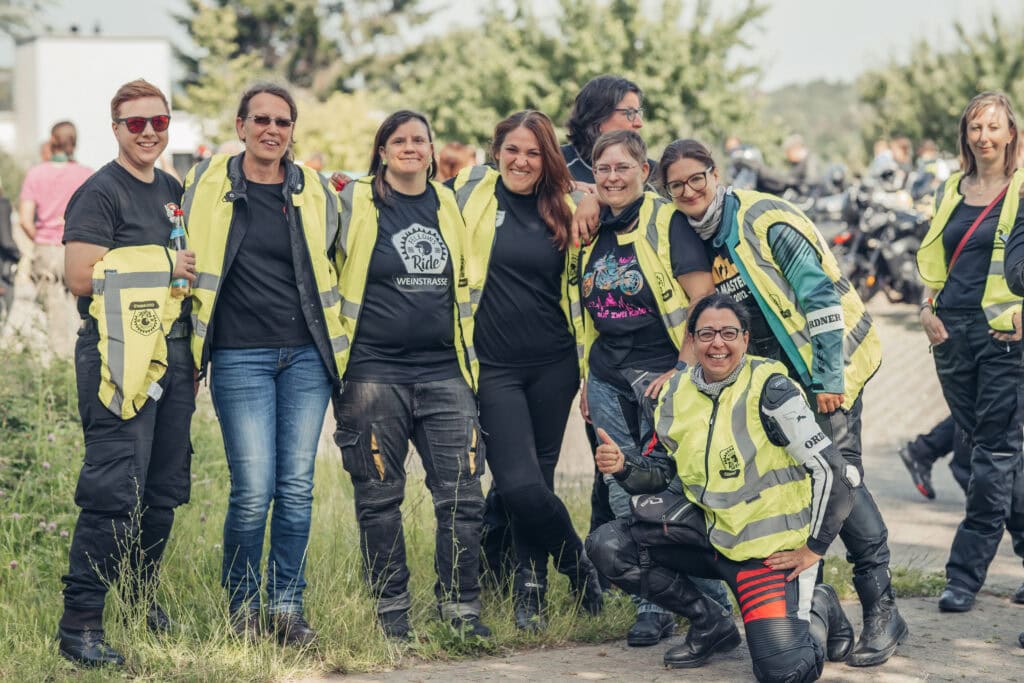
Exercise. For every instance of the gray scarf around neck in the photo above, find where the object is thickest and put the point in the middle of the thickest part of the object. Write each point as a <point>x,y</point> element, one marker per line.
<point>714,389</point>
<point>707,226</point>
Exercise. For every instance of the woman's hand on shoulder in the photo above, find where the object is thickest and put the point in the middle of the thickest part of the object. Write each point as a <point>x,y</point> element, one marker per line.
<point>654,388</point>
<point>585,220</point>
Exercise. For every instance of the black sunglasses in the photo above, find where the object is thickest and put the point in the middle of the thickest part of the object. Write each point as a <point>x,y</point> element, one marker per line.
<point>137,124</point>
<point>264,120</point>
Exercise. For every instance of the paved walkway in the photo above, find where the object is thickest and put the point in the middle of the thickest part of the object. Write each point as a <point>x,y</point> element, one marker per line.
<point>981,645</point>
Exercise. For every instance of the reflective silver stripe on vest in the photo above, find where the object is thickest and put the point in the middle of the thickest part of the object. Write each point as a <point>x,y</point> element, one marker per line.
<point>190,191</point>
<point>761,528</point>
<point>575,309</point>
<point>667,415</point>
<point>345,198</point>
<point>339,344</point>
<point>996,310</point>
<point>856,336</point>
<point>754,483</point>
<point>465,310</point>
<point>471,354</point>
<point>674,318</point>
<point>97,286</point>
<point>842,286</point>
<point>474,295</point>
<point>349,309</point>
<point>331,223</point>
<point>330,297</point>
<point>580,350</point>
<point>207,281</point>
<point>198,326</point>
<point>652,225</point>
<point>463,194</point>
<point>995,268</point>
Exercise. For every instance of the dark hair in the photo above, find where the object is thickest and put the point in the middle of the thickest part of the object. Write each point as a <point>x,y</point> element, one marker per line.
<point>630,141</point>
<point>266,87</point>
<point>63,138</point>
<point>381,190</point>
<point>719,301</point>
<point>595,104</point>
<point>555,182</point>
<point>683,149</point>
<point>270,89</point>
<point>135,90</point>
<point>968,163</point>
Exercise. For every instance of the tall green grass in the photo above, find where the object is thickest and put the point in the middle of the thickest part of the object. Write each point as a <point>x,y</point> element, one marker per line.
<point>40,455</point>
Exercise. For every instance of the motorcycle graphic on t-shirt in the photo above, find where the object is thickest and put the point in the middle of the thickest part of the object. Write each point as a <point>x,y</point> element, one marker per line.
<point>622,280</point>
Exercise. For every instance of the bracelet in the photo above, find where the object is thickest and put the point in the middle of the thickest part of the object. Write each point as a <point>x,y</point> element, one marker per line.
<point>927,303</point>
<point>681,365</point>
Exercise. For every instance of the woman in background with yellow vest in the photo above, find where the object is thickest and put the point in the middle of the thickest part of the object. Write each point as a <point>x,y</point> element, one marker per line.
<point>770,259</point>
<point>972,320</point>
<point>638,276</point>
<point>137,450</point>
<point>528,325</point>
<point>410,373</point>
<point>766,493</point>
<point>266,315</point>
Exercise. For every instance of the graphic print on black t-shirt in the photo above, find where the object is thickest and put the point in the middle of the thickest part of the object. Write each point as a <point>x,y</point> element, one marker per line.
<point>728,280</point>
<point>425,257</point>
<point>621,278</point>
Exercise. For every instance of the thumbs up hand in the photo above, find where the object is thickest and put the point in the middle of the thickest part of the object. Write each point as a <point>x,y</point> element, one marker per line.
<point>608,456</point>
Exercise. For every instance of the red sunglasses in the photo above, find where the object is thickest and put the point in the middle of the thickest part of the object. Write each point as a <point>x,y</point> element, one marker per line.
<point>137,124</point>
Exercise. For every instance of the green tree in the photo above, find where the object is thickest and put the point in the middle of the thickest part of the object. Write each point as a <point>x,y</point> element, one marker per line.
<point>924,96</point>
<point>341,128</point>
<point>19,18</point>
<point>686,57</point>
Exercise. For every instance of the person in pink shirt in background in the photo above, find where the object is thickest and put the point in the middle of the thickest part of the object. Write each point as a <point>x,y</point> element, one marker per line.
<point>44,197</point>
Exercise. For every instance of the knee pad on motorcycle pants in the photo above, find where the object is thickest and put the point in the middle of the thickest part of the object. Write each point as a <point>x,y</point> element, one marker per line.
<point>782,651</point>
<point>614,553</point>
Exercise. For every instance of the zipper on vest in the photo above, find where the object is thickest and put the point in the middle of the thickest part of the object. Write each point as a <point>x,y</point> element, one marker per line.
<point>707,456</point>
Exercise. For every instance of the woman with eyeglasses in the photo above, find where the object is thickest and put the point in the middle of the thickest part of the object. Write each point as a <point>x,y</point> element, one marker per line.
<point>137,451</point>
<point>528,327</point>
<point>267,319</point>
<point>637,278</point>
<point>771,260</point>
<point>766,492</point>
<point>410,373</point>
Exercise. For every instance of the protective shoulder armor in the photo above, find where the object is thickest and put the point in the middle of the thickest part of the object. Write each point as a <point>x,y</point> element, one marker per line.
<point>777,390</point>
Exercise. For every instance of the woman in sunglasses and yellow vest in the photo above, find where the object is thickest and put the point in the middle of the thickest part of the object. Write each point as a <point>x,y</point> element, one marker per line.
<point>134,372</point>
<point>267,322</point>
<point>973,322</point>
<point>770,258</point>
<point>523,280</point>
<point>409,373</point>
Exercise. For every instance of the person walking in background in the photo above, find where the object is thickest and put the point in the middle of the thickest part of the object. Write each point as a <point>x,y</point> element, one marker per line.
<point>44,198</point>
<point>771,259</point>
<point>136,396</point>
<point>528,328</point>
<point>268,325</point>
<point>973,322</point>
<point>410,372</point>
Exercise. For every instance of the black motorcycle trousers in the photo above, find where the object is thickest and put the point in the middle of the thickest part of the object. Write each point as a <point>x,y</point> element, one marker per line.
<point>982,380</point>
<point>134,474</point>
<point>375,424</point>
<point>523,413</point>
<point>656,561</point>
<point>945,437</point>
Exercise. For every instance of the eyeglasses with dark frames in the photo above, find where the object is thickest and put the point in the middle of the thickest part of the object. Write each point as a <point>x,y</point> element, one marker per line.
<point>137,124</point>
<point>632,113</point>
<point>707,334</point>
<point>697,182</point>
<point>264,120</point>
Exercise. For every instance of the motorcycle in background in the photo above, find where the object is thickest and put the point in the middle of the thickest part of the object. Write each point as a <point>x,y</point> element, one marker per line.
<point>9,257</point>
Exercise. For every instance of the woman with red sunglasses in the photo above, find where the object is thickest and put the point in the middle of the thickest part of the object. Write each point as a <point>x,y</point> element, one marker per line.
<point>136,469</point>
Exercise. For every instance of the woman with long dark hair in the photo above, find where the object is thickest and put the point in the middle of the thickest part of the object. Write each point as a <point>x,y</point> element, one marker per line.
<point>528,326</point>
<point>409,372</point>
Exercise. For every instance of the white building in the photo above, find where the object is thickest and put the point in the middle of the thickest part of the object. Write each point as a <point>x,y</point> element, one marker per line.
<point>73,78</point>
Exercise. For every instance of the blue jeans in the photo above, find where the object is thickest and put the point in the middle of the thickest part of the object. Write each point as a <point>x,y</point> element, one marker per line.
<point>375,424</point>
<point>271,405</point>
<point>630,424</point>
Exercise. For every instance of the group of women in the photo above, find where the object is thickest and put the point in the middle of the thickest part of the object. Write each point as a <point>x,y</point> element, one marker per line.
<point>462,317</point>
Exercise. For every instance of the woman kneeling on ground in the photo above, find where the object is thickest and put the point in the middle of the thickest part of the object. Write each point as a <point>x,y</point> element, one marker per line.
<point>766,492</point>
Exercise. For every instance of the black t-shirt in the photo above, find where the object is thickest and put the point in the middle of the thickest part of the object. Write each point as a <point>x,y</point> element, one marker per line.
<point>965,283</point>
<point>406,333</point>
<point>258,305</point>
<point>728,281</point>
<point>622,304</point>
<point>115,209</point>
<point>520,320</point>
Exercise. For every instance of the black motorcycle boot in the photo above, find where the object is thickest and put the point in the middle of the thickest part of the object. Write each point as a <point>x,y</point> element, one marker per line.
<point>829,625</point>
<point>585,584</point>
<point>884,628</point>
<point>711,630</point>
<point>528,594</point>
<point>920,471</point>
<point>87,647</point>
